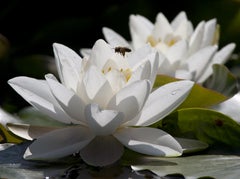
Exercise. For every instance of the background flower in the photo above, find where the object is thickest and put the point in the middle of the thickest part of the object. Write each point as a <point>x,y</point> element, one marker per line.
<point>187,53</point>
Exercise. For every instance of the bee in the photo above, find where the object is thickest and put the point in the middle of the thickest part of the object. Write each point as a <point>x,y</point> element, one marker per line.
<point>122,50</point>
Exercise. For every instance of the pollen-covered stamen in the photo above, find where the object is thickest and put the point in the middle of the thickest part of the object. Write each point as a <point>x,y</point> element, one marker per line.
<point>121,67</point>
<point>169,40</point>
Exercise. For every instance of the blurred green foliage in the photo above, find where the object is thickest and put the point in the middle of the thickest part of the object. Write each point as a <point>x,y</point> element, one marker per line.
<point>28,29</point>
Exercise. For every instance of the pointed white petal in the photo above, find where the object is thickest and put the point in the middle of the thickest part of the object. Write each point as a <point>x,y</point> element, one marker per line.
<point>131,99</point>
<point>139,30</point>
<point>162,27</point>
<point>96,87</point>
<point>163,101</point>
<point>68,64</point>
<point>113,38</point>
<point>150,141</point>
<point>178,20</point>
<point>219,58</point>
<point>59,143</point>
<point>29,132</point>
<point>199,60</point>
<point>102,151</point>
<point>177,51</point>
<point>139,55</point>
<point>142,72</point>
<point>209,31</point>
<point>196,38</point>
<point>38,94</point>
<point>101,52</point>
<point>102,122</point>
<point>69,101</point>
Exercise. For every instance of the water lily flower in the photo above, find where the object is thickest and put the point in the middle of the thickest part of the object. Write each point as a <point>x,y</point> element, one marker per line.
<point>105,102</point>
<point>187,53</point>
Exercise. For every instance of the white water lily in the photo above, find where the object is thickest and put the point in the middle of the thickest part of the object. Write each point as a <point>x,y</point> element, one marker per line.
<point>187,53</point>
<point>105,101</point>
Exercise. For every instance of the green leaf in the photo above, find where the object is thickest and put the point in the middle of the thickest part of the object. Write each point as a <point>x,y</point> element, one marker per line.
<point>206,125</point>
<point>217,166</point>
<point>222,80</point>
<point>198,97</point>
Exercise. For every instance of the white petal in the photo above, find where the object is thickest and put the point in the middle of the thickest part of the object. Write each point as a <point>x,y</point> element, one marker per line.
<point>85,52</point>
<point>219,58</point>
<point>116,79</point>
<point>97,87</point>
<point>196,38</point>
<point>100,54</point>
<point>139,55</point>
<point>29,132</point>
<point>182,30</point>
<point>163,101</point>
<point>209,31</point>
<point>139,30</point>
<point>199,60</point>
<point>69,101</point>
<point>177,51</point>
<point>68,64</point>
<point>131,99</point>
<point>141,72</point>
<point>114,38</point>
<point>150,141</point>
<point>59,143</point>
<point>162,27</point>
<point>38,94</point>
<point>102,151</point>
<point>230,107</point>
<point>102,122</point>
<point>178,20</point>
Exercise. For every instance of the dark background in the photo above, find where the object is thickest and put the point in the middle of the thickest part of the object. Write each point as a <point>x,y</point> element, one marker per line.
<point>29,28</point>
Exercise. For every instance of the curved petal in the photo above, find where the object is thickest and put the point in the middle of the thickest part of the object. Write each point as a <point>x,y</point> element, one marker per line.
<point>139,30</point>
<point>150,141</point>
<point>114,38</point>
<point>162,27</point>
<point>97,87</point>
<point>139,55</point>
<point>59,143</point>
<point>196,38</point>
<point>199,60</point>
<point>219,58</point>
<point>177,51</point>
<point>29,132</point>
<point>131,99</point>
<point>178,20</point>
<point>38,94</point>
<point>102,122</point>
<point>102,151</point>
<point>100,54</point>
<point>163,101</point>
<point>209,31</point>
<point>69,101</point>
<point>68,64</point>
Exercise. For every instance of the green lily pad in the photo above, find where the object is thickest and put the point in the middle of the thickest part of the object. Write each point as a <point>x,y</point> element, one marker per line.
<point>192,167</point>
<point>206,125</point>
<point>198,97</point>
<point>223,81</point>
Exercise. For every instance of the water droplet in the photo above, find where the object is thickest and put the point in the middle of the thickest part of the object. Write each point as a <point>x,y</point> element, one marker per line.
<point>175,92</point>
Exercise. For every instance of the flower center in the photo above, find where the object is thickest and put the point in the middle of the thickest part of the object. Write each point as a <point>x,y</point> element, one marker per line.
<point>119,66</point>
<point>169,40</point>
